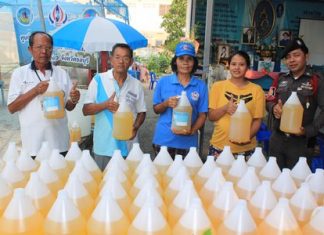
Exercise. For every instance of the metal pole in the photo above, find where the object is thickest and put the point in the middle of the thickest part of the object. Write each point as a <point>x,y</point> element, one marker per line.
<point>41,15</point>
<point>188,18</point>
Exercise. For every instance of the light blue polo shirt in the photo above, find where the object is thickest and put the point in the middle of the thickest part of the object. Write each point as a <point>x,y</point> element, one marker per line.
<point>197,94</point>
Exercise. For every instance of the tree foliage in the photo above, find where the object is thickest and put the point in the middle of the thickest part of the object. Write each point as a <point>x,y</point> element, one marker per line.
<point>174,22</point>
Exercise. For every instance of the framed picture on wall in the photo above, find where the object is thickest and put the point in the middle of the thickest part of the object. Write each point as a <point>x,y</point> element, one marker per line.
<point>285,37</point>
<point>248,36</point>
<point>223,51</point>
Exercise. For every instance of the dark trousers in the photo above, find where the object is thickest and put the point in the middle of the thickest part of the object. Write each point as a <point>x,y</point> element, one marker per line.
<point>288,149</point>
<point>172,151</point>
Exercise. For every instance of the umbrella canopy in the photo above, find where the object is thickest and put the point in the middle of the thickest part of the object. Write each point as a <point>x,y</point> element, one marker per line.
<point>97,34</point>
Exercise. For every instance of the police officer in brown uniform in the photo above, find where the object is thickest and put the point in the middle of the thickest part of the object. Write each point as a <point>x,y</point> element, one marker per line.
<point>310,90</point>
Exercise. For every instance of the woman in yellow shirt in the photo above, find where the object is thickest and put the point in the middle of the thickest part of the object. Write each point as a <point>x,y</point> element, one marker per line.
<point>223,99</point>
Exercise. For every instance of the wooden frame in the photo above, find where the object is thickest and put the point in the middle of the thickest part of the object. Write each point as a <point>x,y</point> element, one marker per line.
<point>223,51</point>
<point>285,37</point>
<point>248,35</point>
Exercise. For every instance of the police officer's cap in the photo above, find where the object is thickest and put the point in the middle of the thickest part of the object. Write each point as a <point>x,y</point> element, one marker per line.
<point>296,43</point>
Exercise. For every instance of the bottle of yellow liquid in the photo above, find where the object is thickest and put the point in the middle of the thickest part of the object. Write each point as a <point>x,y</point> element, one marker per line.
<point>75,133</point>
<point>53,101</point>
<point>240,124</point>
<point>292,115</point>
<point>21,216</point>
<point>123,122</point>
<point>181,116</point>
<point>315,226</point>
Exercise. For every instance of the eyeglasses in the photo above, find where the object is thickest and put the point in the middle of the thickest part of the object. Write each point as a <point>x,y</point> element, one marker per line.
<point>125,59</point>
<point>41,48</point>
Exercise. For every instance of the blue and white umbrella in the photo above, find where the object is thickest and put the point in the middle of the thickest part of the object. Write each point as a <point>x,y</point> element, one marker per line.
<point>95,34</point>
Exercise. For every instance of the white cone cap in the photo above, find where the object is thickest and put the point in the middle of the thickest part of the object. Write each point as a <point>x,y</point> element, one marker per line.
<point>249,180</point>
<point>46,173</point>
<point>208,168</point>
<point>281,217</point>
<point>174,167</point>
<point>115,187</point>
<point>88,162</point>
<point>11,173</point>
<point>257,159</point>
<point>36,188</point>
<point>83,175</point>
<point>301,170</point>
<point>179,179</point>
<point>215,181</point>
<point>240,220</point>
<point>238,167</point>
<point>147,191</point>
<point>144,163</point>
<point>225,159</point>
<point>5,189</point>
<point>146,174</point>
<point>57,161</point>
<point>44,152</point>
<point>271,170</point>
<point>304,198</point>
<point>136,154</point>
<point>117,157</point>
<point>195,216</point>
<point>316,181</point>
<point>226,198</point>
<point>63,209</point>
<point>163,158</point>
<point>284,183</point>
<point>149,218</point>
<point>25,163</point>
<point>74,188</point>
<point>117,172</point>
<point>20,206</point>
<point>11,152</point>
<point>185,195</point>
<point>74,152</point>
<point>192,159</point>
<point>264,197</point>
<point>107,210</point>
<point>317,218</point>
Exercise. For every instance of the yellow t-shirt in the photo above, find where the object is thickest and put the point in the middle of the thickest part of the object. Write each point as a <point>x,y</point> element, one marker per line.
<point>220,94</point>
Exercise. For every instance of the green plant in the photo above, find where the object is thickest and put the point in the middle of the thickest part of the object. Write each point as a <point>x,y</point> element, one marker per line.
<point>157,63</point>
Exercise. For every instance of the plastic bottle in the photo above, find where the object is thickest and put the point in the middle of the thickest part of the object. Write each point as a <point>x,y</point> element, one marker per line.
<point>75,133</point>
<point>240,124</point>
<point>149,220</point>
<point>13,176</point>
<point>5,194</point>
<point>316,184</point>
<point>118,174</point>
<point>193,161</point>
<point>90,165</point>
<point>172,170</point>
<point>11,152</point>
<point>50,177</point>
<point>64,217</point>
<point>270,171</point>
<point>73,155</point>
<point>134,157</point>
<point>300,171</point>
<point>53,101</point>
<point>315,226</point>
<point>280,221</point>
<point>247,185</point>
<point>225,159</point>
<point>146,163</point>
<point>44,152</point>
<point>262,202</point>
<point>205,172</point>
<point>292,115</point>
<point>194,220</point>
<point>118,158</point>
<point>181,116</point>
<point>21,216</point>
<point>302,204</point>
<point>237,169</point>
<point>38,191</point>
<point>107,218</point>
<point>257,160</point>
<point>163,160</point>
<point>59,165</point>
<point>123,122</point>
<point>284,185</point>
<point>26,164</point>
<point>238,221</point>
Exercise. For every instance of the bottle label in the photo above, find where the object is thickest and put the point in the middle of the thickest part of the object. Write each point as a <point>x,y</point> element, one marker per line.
<point>181,118</point>
<point>51,103</point>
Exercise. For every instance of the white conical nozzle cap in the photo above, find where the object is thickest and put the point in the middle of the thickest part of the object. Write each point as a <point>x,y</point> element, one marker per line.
<point>11,173</point>
<point>149,218</point>
<point>284,184</point>
<point>5,188</point>
<point>241,108</point>
<point>44,152</point>
<point>215,181</point>
<point>136,153</point>
<point>271,170</point>
<point>281,217</point>
<point>249,181</point>
<point>36,188</point>
<point>83,175</point>
<point>123,106</point>
<point>225,159</point>
<point>146,174</point>
<point>179,179</point>
<point>195,217</point>
<point>208,168</point>
<point>163,158</point>
<point>301,170</point>
<point>317,219</point>
<point>74,152</point>
<point>174,167</point>
<point>304,198</point>
<point>257,159</point>
<point>117,173</point>
<point>144,163</point>
<point>88,162</point>
<point>293,99</point>
<point>118,158</point>
<point>238,168</point>
<point>20,206</point>
<point>57,161</point>
<point>226,198</point>
<point>11,152</point>
<point>192,159</point>
<point>185,195</point>
<point>25,163</point>
<point>107,210</point>
<point>147,191</point>
<point>112,185</point>
<point>75,188</point>
<point>183,101</point>
<point>264,198</point>
<point>316,181</point>
<point>46,173</point>
<point>63,209</point>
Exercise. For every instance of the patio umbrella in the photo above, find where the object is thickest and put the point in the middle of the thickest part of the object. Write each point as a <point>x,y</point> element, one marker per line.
<point>95,34</point>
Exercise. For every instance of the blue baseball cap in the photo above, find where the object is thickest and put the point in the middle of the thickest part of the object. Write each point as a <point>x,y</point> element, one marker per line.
<point>185,48</point>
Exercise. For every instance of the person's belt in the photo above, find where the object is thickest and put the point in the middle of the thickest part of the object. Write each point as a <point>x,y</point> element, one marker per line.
<point>290,135</point>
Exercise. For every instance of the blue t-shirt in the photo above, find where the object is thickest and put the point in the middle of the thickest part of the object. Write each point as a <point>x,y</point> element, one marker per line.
<point>197,94</point>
